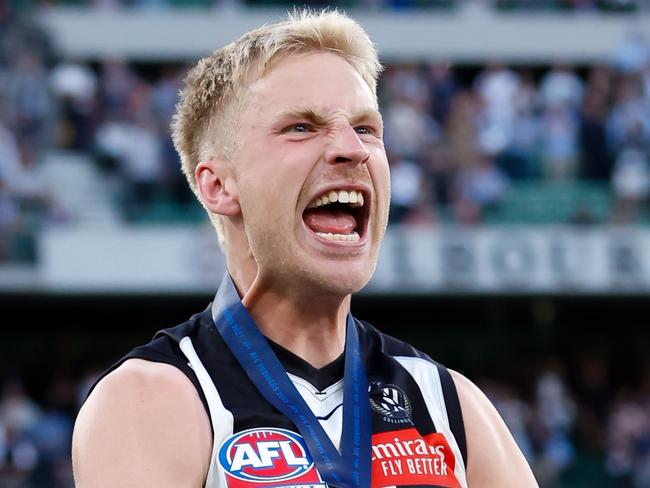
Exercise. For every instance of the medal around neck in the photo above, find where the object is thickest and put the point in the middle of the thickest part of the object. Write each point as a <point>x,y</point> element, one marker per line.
<point>351,468</point>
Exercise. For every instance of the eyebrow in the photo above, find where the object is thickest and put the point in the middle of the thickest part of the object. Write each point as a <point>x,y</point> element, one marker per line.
<point>317,119</point>
<point>369,113</point>
<point>303,114</point>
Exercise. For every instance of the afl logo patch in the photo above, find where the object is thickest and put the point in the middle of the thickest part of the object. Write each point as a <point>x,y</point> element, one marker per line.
<point>267,457</point>
<point>390,402</point>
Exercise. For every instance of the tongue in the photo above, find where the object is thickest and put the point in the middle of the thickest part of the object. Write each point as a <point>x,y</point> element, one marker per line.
<point>334,221</point>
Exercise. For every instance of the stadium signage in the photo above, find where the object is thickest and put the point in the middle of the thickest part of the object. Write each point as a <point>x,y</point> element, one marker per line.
<point>414,260</point>
<point>514,260</point>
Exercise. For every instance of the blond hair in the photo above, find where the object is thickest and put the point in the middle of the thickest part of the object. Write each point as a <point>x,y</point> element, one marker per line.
<point>205,118</point>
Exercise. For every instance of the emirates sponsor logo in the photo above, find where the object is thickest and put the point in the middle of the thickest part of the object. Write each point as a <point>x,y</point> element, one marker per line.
<point>406,458</point>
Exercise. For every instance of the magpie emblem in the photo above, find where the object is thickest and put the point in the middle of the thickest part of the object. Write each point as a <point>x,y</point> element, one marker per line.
<point>390,402</point>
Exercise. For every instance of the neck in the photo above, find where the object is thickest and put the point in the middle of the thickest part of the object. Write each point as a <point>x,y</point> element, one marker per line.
<point>316,334</point>
<point>311,326</point>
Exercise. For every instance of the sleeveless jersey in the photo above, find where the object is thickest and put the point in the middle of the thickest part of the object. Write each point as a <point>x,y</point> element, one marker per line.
<point>418,436</point>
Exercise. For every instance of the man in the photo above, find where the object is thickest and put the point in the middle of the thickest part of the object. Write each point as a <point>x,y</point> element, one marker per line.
<point>276,384</point>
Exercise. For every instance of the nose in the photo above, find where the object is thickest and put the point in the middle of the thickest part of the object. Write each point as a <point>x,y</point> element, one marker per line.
<point>346,147</point>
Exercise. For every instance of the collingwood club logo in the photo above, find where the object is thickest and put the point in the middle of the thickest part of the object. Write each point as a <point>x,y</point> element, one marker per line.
<point>390,402</point>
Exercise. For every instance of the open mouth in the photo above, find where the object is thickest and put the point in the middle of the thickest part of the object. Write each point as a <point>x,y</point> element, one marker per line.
<point>338,215</point>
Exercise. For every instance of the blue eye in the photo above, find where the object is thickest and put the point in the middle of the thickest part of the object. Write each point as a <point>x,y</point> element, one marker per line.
<point>300,128</point>
<point>363,130</point>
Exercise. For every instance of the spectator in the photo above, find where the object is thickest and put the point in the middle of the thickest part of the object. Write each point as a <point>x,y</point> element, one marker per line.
<point>25,202</point>
<point>439,167</point>
<point>136,148</point>
<point>593,386</point>
<point>116,84</point>
<point>74,86</point>
<point>408,127</point>
<point>18,414</point>
<point>561,87</point>
<point>561,96</point>
<point>633,53</point>
<point>631,183</point>
<point>51,435</point>
<point>628,435</point>
<point>442,90</point>
<point>519,159</point>
<point>163,100</point>
<point>141,160</point>
<point>407,182</point>
<point>556,416</point>
<point>645,80</point>
<point>559,143</point>
<point>498,88</point>
<point>10,165</point>
<point>629,119</point>
<point>595,157</point>
<point>480,186</point>
<point>462,127</point>
<point>28,100</point>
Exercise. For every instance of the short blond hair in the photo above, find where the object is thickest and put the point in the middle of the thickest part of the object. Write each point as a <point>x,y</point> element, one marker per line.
<point>205,118</point>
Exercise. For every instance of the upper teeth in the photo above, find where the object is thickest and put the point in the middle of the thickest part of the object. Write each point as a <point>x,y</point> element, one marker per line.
<point>353,197</point>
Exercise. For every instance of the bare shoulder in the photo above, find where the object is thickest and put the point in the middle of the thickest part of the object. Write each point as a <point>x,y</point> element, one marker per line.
<point>494,460</point>
<point>143,425</point>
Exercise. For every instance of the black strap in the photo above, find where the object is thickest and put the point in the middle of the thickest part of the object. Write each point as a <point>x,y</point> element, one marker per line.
<point>454,412</point>
<point>160,351</point>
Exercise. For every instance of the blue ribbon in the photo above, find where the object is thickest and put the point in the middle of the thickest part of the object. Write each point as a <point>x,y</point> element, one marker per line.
<point>351,468</point>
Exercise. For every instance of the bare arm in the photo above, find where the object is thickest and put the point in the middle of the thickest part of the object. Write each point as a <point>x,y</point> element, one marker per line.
<point>143,425</point>
<point>493,458</point>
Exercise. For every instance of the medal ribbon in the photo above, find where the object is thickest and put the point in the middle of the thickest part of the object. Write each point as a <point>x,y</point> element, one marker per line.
<point>351,468</point>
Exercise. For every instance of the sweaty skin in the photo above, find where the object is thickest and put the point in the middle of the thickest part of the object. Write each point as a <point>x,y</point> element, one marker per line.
<point>309,125</point>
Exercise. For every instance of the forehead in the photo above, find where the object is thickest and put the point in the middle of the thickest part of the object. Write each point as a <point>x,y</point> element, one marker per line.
<point>322,81</point>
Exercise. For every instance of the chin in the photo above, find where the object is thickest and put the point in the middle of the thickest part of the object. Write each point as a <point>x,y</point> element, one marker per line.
<point>341,279</point>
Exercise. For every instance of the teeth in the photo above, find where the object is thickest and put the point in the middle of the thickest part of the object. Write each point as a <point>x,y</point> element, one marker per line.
<point>353,197</point>
<point>339,237</point>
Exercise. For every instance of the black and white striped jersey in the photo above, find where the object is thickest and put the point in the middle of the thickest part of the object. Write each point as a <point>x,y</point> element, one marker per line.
<point>418,437</point>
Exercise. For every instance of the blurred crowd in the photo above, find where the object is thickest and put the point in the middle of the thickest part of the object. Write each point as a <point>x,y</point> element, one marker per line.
<point>460,139</point>
<point>462,146</point>
<point>27,118</point>
<point>578,429</point>
<point>36,438</point>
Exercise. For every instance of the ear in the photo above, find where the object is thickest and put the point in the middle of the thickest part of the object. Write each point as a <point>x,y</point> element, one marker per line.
<point>217,187</point>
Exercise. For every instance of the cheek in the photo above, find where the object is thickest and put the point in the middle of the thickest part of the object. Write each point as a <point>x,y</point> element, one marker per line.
<point>385,174</point>
<point>381,177</point>
<point>266,202</point>
<point>254,197</point>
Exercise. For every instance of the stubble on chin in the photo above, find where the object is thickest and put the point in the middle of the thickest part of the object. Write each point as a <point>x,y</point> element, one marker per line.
<point>283,265</point>
<point>290,271</point>
<point>323,280</point>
